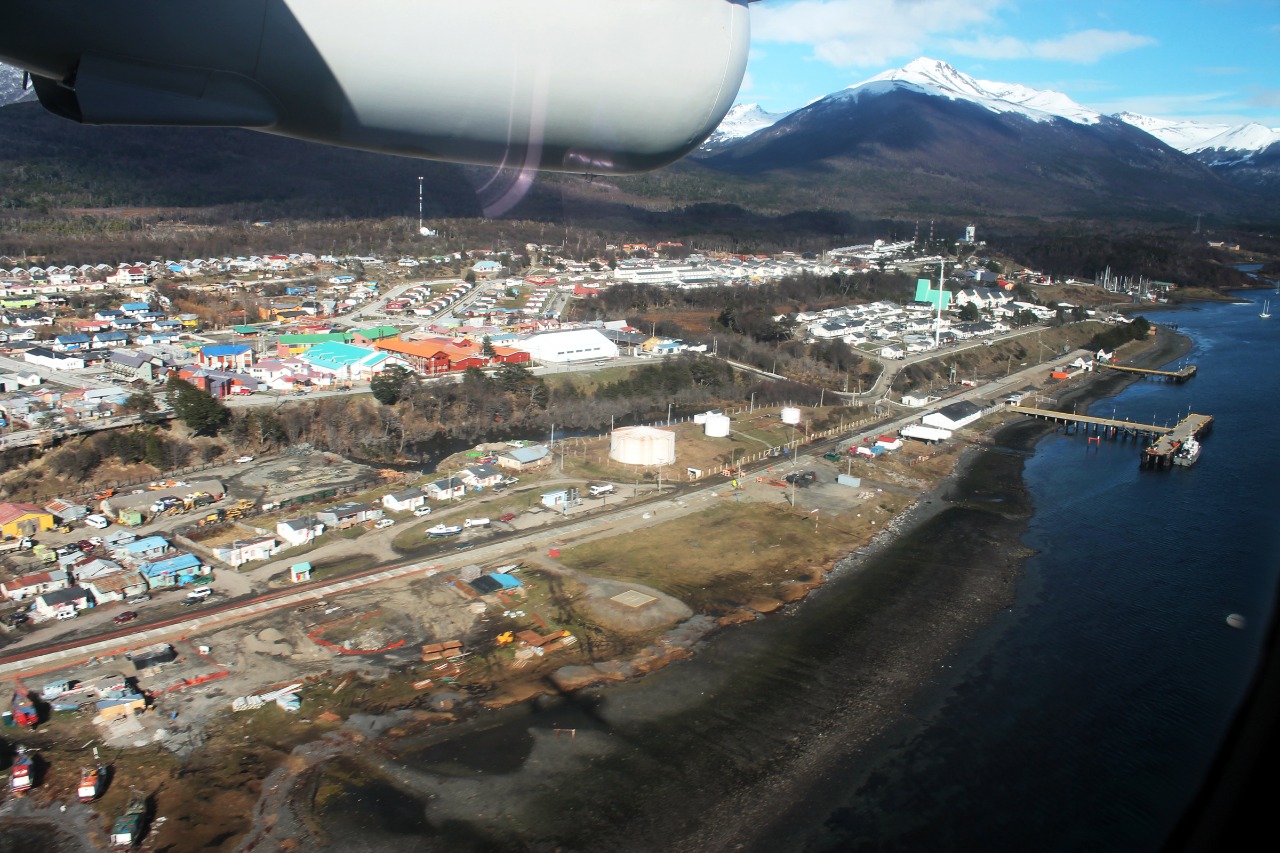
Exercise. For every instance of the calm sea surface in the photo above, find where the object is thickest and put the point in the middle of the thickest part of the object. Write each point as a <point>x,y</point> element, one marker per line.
<point>1083,718</point>
<point>1087,716</point>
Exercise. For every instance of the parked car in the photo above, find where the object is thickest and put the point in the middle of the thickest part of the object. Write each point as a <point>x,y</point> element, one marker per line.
<point>384,522</point>
<point>126,616</point>
<point>137,599</point>
<point>422,510</point>
<point>243,459</point>
<point>507,516</point>
<point>85,545</point>
<point>17,618</point>
<point>67,614</point>
<point>476,522</point>
<point>199,593</point>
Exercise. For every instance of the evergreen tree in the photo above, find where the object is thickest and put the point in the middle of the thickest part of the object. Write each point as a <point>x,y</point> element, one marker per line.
<point>389,385</point>
<point>202,414</point>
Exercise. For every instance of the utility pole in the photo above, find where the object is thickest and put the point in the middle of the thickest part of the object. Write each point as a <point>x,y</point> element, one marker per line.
<point>942,277</point>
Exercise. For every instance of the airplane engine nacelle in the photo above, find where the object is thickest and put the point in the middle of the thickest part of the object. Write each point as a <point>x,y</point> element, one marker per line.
<point>597,86</point>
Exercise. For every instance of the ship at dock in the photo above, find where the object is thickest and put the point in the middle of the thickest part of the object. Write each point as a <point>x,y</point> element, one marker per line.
<point>1187,454</point>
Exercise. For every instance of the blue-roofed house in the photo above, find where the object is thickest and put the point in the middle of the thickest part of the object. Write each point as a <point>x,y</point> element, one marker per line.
<point>71,343</point>
<point>106,340</point>
<point>139,550</point>
<point>135,308</point>
<point>524,458</point>
<point>178,570</point>
<point>226,357</point>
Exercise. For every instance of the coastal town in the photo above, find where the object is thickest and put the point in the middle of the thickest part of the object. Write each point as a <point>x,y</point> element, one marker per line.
<point>142,614</point>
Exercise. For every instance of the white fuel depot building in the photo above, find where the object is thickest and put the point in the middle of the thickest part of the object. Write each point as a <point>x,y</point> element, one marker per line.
<point>571,346</point>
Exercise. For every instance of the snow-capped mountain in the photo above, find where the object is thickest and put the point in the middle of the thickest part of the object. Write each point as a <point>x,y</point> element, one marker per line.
<point>933,77</point>
<point>1186,136</point>
<point>929,135</point>
<point>11,86</point>
<point>1211,143</point>
<point>741,120</point>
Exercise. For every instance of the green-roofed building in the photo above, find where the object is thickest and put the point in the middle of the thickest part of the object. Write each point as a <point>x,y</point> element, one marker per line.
<point>926,293</point>
<point>297,344</point>
<point>248,331</point>
<point>367,337</point>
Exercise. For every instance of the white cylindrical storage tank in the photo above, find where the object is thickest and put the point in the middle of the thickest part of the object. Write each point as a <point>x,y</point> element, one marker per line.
<point>700,418</point>
<point>790,415</point>
<point>642,445</point>
<point>717,426</point>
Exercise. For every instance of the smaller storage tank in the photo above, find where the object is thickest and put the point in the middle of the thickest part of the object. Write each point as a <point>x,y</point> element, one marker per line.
<point>791,415</point>
<point>717,426</point>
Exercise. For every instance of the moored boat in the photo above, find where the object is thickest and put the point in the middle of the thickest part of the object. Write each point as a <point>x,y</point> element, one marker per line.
<point>91,782</point>
<point>1187,454</point>
<point>24,710</point>
<point>129,827</point>
<point>21,777</point>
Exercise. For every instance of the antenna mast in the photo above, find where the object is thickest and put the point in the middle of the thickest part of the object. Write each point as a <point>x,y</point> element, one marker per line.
<point>422,229</point>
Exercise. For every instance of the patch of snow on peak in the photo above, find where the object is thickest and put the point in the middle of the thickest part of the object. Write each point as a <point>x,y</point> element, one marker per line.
<point>742,120</point>
<point>934,77</point>
<point>1247,137</point>
<point>1186,136</point>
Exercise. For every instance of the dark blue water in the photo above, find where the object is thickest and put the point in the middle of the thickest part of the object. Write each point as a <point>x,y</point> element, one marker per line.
<point>1086,718</point>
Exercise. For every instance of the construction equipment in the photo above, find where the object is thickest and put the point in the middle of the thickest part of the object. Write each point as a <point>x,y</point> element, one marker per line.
<point>214,517</point>
<point>240,508</point>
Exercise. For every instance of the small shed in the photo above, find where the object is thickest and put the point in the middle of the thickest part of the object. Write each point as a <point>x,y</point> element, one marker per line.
<point>300,572</point>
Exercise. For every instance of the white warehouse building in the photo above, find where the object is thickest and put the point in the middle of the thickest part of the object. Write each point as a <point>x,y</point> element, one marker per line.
<point>573,345</point>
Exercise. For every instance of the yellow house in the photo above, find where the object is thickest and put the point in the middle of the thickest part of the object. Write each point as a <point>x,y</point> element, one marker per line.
<point>19,519</point>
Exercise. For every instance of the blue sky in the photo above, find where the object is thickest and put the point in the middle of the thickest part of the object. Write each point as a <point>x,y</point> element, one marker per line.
<point>1204,60</point>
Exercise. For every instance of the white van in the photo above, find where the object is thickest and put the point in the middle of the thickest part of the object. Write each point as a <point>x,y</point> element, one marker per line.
<point>601,489</point>
<point>98,522</point>
<point>67,614</point>
<point>476,522</point>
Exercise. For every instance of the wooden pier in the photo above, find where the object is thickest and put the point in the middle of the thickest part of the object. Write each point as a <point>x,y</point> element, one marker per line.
<point>1165,441</point>
<point>1160,453</point>
<point>1178,376</point>
<point>1109,427</point>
